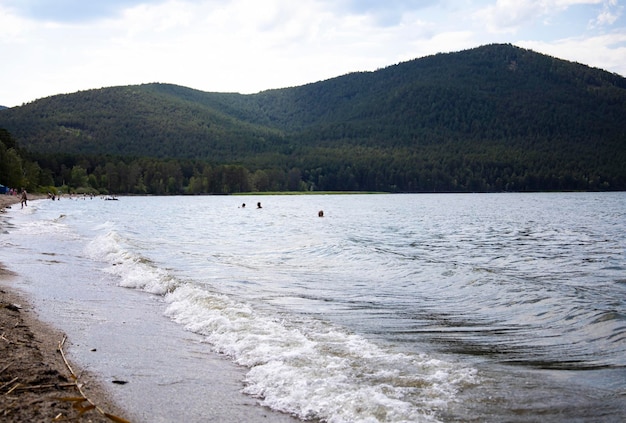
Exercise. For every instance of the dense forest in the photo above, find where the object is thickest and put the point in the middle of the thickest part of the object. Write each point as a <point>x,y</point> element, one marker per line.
<point>16,170</point>
<point>490,119</point>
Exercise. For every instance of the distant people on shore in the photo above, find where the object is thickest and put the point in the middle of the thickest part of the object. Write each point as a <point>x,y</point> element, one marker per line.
<point>24,198</point>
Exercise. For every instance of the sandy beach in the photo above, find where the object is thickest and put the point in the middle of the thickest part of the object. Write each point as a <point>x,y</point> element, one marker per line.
<point>37,383</point>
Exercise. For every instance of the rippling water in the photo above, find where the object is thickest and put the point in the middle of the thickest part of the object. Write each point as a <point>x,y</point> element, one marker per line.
<point>507,307</point>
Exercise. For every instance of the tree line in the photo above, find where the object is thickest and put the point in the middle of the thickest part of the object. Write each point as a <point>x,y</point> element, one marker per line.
<point>321,171</point>
<point>494,170</point>
<point>16,170</point>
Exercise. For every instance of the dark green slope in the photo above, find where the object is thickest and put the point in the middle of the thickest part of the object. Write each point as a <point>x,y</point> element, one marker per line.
<point>469,119</point>
<point>145,120</point>
<point>497,92</point>
<point>492,118</point>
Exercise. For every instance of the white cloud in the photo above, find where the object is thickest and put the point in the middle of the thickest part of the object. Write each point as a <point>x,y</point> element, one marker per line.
<point>13,26</point>
<point>252,45</point>
<point>509,16</point>
<point>603,51</point>
<point>610,13</point>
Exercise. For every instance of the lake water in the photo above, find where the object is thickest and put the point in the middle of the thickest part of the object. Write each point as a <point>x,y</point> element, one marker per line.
<point>389,308</point>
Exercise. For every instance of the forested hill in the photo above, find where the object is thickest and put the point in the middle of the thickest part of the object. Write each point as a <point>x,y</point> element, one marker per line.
<point>492,118</point>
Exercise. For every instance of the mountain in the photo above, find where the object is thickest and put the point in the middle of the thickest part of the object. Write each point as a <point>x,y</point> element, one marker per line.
<point>492,118</point>
<point>144,120</point>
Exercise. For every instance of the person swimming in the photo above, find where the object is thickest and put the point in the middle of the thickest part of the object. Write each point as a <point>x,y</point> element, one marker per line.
<point>258,205</point>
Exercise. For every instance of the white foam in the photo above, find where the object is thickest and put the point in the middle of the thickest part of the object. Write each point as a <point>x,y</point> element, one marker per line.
<point>315,370</point>
<point>54,224</point>
<point>301,366</point>
<point>134,271</point>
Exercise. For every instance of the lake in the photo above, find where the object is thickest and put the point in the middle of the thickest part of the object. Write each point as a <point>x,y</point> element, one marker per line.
<point>389,308</point>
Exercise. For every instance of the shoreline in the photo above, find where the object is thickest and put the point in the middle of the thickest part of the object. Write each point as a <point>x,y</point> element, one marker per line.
<point>108,343</point>
<point>36,383</point>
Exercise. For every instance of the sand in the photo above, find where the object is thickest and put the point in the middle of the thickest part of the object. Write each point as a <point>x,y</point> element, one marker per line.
<point>37,384</point>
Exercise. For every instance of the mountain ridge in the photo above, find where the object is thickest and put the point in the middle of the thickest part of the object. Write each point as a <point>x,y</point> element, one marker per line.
<point>497,106</point>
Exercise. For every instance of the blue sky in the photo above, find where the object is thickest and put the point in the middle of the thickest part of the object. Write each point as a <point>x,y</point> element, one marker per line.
<point>62,46</point>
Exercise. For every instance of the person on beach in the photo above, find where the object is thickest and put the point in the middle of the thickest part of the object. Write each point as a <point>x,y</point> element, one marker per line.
<point>24,198</point>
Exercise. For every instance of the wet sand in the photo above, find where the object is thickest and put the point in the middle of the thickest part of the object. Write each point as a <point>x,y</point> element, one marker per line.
<point>36,383</point>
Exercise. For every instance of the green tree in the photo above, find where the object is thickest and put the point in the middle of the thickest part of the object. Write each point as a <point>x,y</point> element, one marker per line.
<point>79,177</point>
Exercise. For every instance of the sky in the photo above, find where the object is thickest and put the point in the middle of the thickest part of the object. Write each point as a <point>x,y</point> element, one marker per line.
<point>50,47</point>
